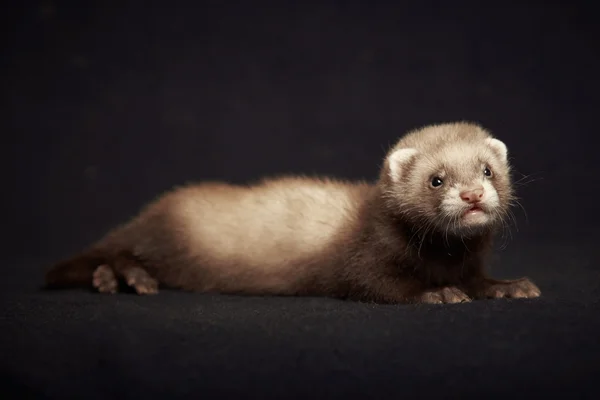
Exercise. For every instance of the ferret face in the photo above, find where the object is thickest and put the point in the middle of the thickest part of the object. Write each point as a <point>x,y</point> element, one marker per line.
<point>458,187</point>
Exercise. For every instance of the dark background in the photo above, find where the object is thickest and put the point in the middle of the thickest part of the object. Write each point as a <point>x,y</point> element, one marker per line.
<point>107,104</point>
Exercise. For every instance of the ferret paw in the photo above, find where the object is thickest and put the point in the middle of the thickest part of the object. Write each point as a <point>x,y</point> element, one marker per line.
<point>445,295</point>
<point>141,281</point>
<point>104,279</point>
<point>519,289</point>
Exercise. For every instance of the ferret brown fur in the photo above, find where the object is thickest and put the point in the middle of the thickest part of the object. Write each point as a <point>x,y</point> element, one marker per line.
<point>421,233</point>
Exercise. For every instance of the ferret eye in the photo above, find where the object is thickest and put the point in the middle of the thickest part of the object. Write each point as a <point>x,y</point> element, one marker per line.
<point>487,172</point>
<point>435,182</point>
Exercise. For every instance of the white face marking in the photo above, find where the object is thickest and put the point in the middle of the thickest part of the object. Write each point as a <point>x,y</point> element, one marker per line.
<point>491,198</point>
<point>454,207</point>
<point>451,203</point>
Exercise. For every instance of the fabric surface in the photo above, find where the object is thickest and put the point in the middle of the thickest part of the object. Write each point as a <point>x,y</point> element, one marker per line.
<point>179,345</point>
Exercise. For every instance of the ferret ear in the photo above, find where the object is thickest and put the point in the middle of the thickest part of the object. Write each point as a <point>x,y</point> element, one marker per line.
<point>398,161</point>
<point>499,147</point>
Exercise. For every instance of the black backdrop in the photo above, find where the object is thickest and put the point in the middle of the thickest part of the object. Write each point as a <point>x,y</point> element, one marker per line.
<point>107,104</point>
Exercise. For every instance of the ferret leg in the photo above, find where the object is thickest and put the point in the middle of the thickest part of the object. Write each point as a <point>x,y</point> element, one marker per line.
<point>131,270</point>
<point>495,288</point>
<point>104,279</point>
<point>411,291</point>
<point>444,295</point>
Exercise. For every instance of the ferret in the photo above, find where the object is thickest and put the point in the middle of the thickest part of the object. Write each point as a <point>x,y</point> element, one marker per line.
<point>421,233</point>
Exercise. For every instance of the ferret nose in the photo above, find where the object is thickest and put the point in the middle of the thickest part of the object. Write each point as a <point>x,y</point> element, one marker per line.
<point>472,195</point>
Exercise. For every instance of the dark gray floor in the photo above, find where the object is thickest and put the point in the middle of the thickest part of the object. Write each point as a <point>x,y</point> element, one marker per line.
<point>180,344</point>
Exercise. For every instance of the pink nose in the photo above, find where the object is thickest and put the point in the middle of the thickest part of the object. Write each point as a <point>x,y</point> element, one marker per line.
<point>472,195</point>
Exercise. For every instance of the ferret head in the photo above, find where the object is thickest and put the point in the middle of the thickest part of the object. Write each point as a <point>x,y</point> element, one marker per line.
<point>451,178</point>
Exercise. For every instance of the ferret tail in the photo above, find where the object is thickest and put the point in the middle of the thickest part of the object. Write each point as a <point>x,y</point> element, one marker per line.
<point>74,272</point>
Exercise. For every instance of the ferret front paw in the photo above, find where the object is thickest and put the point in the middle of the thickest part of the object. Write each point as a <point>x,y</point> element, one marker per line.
<point>104,279</point>
<point>447,294</point>
<point>519,289</point>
